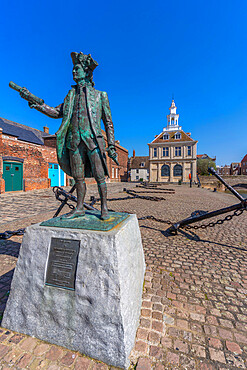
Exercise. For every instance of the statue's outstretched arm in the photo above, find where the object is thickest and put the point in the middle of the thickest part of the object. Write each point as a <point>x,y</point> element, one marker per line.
<point>37,103</point>
<point>53,112</point>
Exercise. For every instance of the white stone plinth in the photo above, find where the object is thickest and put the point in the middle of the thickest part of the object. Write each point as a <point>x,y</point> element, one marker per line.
<point>100,317</point>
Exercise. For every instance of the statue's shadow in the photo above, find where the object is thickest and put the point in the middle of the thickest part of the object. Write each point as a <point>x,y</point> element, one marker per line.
<point>7,248</point>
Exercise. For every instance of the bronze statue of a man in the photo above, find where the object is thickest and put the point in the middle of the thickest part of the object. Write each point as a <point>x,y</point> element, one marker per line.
<point>81,148</point>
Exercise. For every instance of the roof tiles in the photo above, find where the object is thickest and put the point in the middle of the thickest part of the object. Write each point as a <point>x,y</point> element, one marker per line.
<point>22,132</point>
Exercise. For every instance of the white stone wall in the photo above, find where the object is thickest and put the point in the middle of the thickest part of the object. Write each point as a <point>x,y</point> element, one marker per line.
<point>137,174</point>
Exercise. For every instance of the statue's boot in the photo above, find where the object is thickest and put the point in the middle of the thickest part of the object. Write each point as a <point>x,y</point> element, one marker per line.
<point>81,192</point>
<point>103,198</point>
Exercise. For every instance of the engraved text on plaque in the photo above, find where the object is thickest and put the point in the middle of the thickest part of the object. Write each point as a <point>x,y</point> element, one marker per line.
<point>62,263</point>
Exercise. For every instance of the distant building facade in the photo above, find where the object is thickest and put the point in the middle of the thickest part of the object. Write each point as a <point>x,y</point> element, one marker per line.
<point>139,168</point>
<point>223,170</point>
<point>28,159</point>
<point>235,169</point>
<point>244,165</point>
<point>173,153</point>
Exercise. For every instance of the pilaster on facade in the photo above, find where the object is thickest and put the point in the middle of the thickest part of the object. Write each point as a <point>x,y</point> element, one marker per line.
<point>171,172</point>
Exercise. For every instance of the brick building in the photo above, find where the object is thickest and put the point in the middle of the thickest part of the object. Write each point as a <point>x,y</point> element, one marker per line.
<point>172,154</point>
<point>28,159</point>
<point>244,165</point>
<point>117,173</point>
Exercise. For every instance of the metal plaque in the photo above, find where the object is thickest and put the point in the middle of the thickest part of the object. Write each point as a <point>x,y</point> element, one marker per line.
<point>62,263</point>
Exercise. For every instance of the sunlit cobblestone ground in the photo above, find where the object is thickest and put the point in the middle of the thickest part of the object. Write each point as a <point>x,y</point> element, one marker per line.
<point>194,309</point>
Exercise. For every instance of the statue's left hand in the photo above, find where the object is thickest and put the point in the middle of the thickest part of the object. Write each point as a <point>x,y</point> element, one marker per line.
<point>112,154</point>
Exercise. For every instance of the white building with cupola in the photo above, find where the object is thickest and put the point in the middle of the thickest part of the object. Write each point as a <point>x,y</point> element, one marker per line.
<point>172,153</point>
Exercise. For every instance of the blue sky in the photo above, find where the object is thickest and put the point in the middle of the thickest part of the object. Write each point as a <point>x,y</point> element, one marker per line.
<point>147,51</point>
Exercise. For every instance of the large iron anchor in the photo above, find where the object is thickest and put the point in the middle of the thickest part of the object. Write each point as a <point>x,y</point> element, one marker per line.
<point>64,196</point>
<point>202,215</point>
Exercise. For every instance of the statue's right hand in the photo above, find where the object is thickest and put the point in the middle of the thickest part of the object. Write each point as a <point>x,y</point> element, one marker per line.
<point>32,105</point>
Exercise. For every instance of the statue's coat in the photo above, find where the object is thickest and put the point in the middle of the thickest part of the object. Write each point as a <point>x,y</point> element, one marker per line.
<point>97,108</point>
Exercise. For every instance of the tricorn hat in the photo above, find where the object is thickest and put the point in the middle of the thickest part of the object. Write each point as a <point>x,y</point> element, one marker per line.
<point>84,59</point>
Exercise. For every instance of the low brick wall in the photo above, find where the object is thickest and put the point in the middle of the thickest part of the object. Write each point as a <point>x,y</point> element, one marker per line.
<point>2,186</point>
<point>34,183</point>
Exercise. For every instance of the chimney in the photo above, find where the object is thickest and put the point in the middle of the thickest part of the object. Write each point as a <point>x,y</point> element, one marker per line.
<point>46,129</point>
<point>134,153</point>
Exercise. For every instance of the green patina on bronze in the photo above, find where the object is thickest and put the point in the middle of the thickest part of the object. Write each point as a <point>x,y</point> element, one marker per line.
<point>91,221</point>
<point>81,148</point>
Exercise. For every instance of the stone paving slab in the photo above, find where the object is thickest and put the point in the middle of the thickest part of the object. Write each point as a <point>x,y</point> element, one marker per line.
<point>194,309</point>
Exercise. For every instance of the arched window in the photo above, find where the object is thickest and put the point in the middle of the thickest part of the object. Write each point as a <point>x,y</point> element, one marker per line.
<point>177,170</point>
<point>165,170</point>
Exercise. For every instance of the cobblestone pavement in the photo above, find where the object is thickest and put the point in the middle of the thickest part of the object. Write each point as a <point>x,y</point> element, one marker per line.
<point>19,205</point>
<point>194,309</point>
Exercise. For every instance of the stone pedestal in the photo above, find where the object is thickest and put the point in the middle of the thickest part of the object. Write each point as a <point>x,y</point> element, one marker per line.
<point>100,315</point>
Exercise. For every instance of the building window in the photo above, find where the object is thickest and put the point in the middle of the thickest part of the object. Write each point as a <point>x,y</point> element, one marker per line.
<point>137,177</point>
<point>112,173</point>
<point>155,152</point>
<point>177,170</point>
<point>137,171</point>
<point>165,152</point>
<point>165,137</point>
<point>177,136</point>
<point>177,151</point>
<point>116,173</point>
<point>189,150</point>
<point>142,164</point>
<point>165,170</point>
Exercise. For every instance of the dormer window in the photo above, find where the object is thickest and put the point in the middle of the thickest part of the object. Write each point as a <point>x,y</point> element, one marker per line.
<point>142,164</point>
<point>166,137</point>
<point>177,136</point>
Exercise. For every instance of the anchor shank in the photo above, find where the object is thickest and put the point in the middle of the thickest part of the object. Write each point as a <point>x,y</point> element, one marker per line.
<point>233,191</point>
